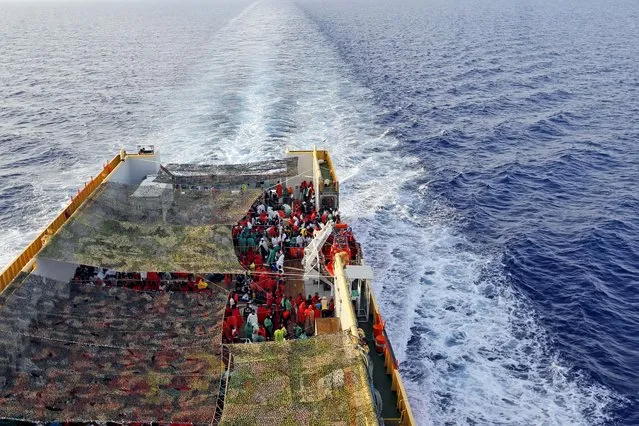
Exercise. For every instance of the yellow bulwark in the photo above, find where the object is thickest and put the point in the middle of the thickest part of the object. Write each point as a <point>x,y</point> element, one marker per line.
<point>406,418</point>
<point>326,157</point>
<point>390,362</point>
<point>29,253</point>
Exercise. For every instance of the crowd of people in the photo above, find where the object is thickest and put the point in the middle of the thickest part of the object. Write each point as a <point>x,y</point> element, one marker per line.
<point>288,319</point>
<point>148,281</point>
<point>277,227</point>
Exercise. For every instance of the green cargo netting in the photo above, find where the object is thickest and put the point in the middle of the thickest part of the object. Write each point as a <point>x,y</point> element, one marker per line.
<point>71,351</point>
<point>318,381</point>
<point>131,228</point>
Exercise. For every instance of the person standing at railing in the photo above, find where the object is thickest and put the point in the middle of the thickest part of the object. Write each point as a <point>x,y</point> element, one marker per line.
<point>280,263</point>
<point>298,331</point>
<point>268,325</point>
<point>324,307</point>
<point>248,330</point>
<point>309,325</point>
<point>301,313</point>
<point>252,319</point>
<point>287,305</point>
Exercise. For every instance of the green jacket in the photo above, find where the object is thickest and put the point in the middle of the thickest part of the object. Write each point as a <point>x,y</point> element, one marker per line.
<point>279,335</point>
<point>286,304</point>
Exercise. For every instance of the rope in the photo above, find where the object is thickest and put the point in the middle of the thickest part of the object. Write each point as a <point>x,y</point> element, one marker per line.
<point>216,323</point>
<point>298,275</point>
<point>102,318</point>
<point>90,283</point>
<point>104,346</point>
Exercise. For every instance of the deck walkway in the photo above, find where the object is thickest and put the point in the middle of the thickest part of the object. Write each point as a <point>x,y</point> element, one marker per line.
<point>326,174</point>
<point>381,380</point>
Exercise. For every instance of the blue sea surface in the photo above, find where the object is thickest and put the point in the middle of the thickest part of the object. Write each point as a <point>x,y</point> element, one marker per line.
<point>488,155</point>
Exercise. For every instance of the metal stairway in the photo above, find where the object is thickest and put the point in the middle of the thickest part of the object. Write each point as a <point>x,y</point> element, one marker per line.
<point>312,260</point>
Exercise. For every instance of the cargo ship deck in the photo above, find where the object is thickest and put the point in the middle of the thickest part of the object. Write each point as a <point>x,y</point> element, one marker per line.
<point>134,305</point>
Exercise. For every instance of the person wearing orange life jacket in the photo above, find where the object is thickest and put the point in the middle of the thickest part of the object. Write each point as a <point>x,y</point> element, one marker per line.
<point>301,313</point>
<point>227,281</point>
<point>227,331</point>
<point>250,255</point>
<point>268,283</point>
<point>259,335</point>
<point>309,324</point>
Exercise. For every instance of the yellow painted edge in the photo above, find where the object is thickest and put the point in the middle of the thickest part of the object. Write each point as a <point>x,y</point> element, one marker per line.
<point>301,151</point>
<point>317,178</point>
<point>344,289</point>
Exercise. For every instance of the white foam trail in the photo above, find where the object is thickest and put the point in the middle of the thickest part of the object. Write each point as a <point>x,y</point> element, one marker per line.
<point>471,350</point>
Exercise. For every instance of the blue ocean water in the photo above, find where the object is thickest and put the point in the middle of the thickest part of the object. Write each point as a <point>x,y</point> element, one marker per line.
<point>487,154</point>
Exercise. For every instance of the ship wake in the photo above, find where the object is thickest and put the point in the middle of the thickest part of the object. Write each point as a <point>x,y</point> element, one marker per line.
<point>471,348</point>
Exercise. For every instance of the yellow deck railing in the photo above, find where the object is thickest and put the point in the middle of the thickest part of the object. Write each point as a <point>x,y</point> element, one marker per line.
<point>14,268</point>
<point>347,317</point>
<point>397,385</point>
